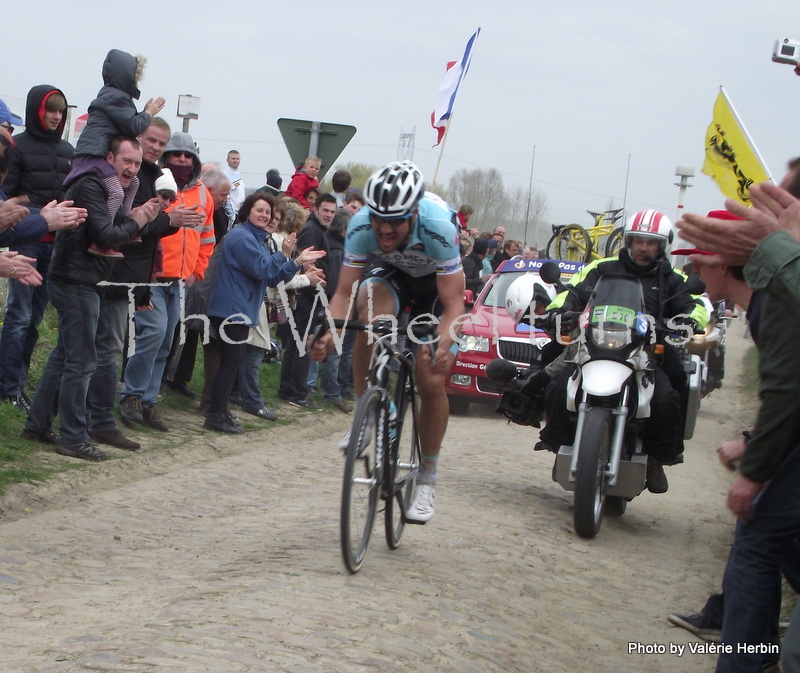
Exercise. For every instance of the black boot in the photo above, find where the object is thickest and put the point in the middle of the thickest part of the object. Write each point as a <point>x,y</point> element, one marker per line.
<point>222,422</point>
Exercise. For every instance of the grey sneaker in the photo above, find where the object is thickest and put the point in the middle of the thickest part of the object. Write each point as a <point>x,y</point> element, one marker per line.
<point>699,624</point>
<point>130,408</point>
<point>421,508</point>
<point>84,450</point>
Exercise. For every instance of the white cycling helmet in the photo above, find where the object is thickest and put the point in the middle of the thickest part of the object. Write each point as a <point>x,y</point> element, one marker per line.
<point>649,224</point>
<point>522,295</point>
<point>394,190</point>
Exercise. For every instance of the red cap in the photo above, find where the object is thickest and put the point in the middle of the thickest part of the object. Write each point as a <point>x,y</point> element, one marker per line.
<point>723,215</point>
<point>691,251</point>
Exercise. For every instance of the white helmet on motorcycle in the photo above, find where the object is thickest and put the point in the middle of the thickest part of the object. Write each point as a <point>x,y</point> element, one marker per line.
<point>394,190</point>
<point>522,295</point>
<point>649,224</point>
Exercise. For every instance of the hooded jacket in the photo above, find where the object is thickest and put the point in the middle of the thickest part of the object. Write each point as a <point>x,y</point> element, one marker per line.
<point>188,250</point>
<point>41,159</point>
<point>113,113</point>
<point>298,187</point>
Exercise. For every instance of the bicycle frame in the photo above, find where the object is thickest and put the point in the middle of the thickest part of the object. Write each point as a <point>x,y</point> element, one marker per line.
<point>384,355</point>
<point>377,444</point>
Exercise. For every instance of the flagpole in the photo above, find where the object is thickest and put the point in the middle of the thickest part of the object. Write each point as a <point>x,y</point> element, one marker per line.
<point>746,134</point>
<point>530,188</point>
<point>441,149</point>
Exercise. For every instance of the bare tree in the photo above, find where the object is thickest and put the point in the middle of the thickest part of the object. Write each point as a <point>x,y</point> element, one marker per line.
<point>483,190</point>
<point>537,220</point>
<point>359,172</point>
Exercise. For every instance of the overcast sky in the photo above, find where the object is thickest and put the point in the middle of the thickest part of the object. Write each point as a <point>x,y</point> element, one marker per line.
<point>588,84</point>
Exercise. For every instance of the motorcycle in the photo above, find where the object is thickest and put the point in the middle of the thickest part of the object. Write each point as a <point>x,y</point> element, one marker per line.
<point>710,346</point>
<point>611,390</point>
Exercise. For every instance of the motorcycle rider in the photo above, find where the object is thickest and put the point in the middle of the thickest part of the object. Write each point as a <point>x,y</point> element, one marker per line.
<point>646,237</point>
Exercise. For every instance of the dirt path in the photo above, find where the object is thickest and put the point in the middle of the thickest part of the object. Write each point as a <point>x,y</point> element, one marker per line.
<point>222,556</point>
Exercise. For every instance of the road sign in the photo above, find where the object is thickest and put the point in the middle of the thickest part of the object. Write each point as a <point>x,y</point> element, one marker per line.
<point>305,138</point>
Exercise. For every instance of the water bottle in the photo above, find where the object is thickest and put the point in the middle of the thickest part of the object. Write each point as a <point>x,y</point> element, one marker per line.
<point>392,421</point>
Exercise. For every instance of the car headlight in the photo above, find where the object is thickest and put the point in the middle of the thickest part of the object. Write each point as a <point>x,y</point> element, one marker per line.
<point>610,338</point>
<point>474,343</point>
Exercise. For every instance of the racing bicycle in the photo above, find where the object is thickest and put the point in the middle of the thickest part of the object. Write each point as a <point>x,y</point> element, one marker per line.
<point>573,243</point>
<point>382,459</point>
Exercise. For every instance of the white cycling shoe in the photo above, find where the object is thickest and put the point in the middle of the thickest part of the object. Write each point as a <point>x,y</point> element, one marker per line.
<point>421,508</point>
<point>345,439</point>
<point>344,442</point>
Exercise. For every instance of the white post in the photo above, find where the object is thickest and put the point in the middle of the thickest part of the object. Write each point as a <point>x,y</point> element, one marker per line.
<point>684,173</point>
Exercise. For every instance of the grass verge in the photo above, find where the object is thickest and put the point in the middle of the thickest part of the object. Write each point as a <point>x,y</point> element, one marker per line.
<point>26,462</point>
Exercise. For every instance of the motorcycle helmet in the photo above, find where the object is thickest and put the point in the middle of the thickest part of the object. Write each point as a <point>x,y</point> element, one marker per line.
<point>649,224</point>
<point>394,190</point>
<point>522,295</point>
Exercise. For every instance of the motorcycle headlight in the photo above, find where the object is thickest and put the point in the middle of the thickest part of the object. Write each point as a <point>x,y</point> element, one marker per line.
<point>474,343</point>
<point>611,338</point>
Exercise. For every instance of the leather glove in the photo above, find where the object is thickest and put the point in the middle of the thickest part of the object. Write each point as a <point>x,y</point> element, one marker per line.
<point>536,383</point>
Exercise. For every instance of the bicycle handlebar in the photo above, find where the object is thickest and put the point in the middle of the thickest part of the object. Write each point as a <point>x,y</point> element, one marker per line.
<point>423,332</point>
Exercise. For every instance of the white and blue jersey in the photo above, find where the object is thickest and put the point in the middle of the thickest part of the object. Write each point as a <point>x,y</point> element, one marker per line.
<point>431,249</point>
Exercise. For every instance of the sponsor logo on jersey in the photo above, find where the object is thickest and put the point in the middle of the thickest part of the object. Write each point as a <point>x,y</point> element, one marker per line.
<point>436,237</point>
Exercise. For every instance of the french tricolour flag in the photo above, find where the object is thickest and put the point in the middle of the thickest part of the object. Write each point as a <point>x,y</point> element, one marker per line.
<point>448,89</point>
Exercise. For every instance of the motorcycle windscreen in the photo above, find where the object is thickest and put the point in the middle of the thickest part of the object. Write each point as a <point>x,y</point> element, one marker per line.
<point>616,311</point>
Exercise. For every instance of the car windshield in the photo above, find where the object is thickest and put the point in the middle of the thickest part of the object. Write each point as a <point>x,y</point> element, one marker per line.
<point>496,296</point>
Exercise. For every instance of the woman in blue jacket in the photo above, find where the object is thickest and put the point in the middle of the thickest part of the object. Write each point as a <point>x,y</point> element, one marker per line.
<point>245,269</point>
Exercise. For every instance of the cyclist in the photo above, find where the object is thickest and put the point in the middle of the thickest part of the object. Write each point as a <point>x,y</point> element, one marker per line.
<point>646,237</point>
<point>401,251</point>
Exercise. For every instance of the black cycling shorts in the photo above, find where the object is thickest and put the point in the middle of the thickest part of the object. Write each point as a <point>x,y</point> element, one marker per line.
<point>419,294</point>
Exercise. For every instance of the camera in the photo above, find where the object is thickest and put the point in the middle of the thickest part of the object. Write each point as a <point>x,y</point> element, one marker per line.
<point>786,51</point>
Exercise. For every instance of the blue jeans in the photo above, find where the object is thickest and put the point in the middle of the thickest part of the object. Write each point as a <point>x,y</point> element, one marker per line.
<point>65,381</point>
<point>108,344</point>
<point>752,582</point>
<point>154,332</point>
<point>329,378</point>
<point>24,311</point>
<point>313,373</point>
<point>249,387</point>
<point>345,377</point>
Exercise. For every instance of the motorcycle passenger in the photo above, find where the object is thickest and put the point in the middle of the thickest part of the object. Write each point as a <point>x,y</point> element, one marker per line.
<point>647,235</point>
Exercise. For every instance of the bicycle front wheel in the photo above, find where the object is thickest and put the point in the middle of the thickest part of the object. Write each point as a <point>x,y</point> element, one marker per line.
<point>573,244</point>
<point>404,461</point>
<point>550,249</point>
<point>361,484</point>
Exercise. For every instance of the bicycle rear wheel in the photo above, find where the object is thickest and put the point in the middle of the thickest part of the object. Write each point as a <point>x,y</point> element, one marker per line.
<point>361,484</point>
<point>614,242</point>
<point>573,244</point>
<point>405,460</point>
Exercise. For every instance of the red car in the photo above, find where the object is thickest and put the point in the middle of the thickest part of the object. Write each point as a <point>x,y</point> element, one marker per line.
<point>491,333</point>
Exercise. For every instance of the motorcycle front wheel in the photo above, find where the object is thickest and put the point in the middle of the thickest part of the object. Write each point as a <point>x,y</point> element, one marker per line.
<point>590,479</point>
